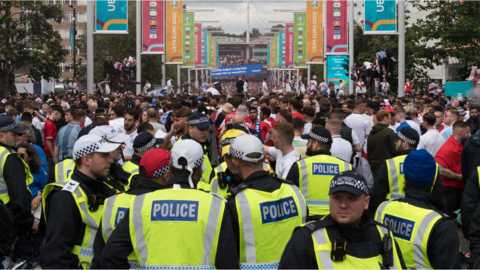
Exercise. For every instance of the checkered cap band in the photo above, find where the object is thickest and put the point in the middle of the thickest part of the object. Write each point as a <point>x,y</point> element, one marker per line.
<point>199,162</point>
<point>227,141</point>
<point>146,147</point>
<point>198,121</point>
<point>8,127</point>
<point>349,181</point>
<point>161,171</point>
<point>410,141</point>
<point>89,149</point>
<point>242,155</point>
<point>317,137</point>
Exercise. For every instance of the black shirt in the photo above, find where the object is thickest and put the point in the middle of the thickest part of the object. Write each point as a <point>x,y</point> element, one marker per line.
<point>239,86</point>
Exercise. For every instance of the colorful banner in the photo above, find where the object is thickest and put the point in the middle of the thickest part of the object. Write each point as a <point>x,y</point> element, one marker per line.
<point>269,55</point>
<point>188,40</point>
<point>337,27</point>
<point>209,42</point>
<point>214,55</point>
<point>198,45</point>
<point>275,52</point>
<point>111,17</point>
<point>153,22</point>
<point>237,70</point>
<point>337,69</point>
<point>282,50</point>
<point>174,26</point>
<point>380,17</point>
<point>204,49</point>
<point>289,46</point>
<point>299,57</point>
<point>314,32</point>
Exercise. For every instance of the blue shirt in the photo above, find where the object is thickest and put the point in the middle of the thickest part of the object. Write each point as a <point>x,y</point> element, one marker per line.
<point>66,138</point>
<point>447,132</point>
<point>402,125</point>
<point>39,178</point>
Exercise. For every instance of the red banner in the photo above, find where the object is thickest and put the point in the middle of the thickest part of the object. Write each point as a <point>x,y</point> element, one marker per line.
<point>197,35</point>
<point>337,28</point>
<point>289,43</point>
<point>152,27</point>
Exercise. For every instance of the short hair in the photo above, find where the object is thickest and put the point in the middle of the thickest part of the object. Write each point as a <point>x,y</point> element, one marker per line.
<point>454,112</point>
<point>400,111</point>
<point>381,114</point>
<point>460,125</point>
<point>298,124</point>
<point>335,123</point>
<point>284,100</point>
<point>57,108</point>
<point>295,104</point>
<point>133,113</point>
<point>99,121</point>
<point>325,105</point>
<point>144,127</point>
<point>338,113</point>
<point>266,111</point>
<point>359,102</point>
<point>318,122</point>
<point>474,107</point>
<point>430,119</point>
<point>182,112</point>
<point>151,112</point>
<point>27,117</point>
<point>252,108</point>
<point>309,112</point>
<point>78,114</point>
<point>119,110</point>
<point>285,114</point>
<point>285,131</point>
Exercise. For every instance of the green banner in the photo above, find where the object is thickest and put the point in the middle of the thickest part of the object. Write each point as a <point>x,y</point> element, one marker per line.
<point>275,57</point>
<point>299,40</point>
<point>209,51</point>
<point>188,40</point>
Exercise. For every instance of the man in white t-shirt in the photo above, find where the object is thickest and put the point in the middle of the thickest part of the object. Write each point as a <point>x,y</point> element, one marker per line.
<point>73,86</point>
<point>432,140</point>
<point>361,87</point>
<point>212,90</point>
<point>131,121</point>
<point>341,148</point>
<point>245,86</point>
<point>170,86</point>
<point>359,123</point>
<point>288,88</point>
<point>264,86</point>
<point>385,86</point>
<point>284,152</point>
<point>312,85</point>
<point>147,87</point>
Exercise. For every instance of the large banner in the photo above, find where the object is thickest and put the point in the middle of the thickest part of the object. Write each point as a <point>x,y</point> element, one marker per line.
<point>214,54</point>
<point>198,45</point>
<point>152,27</point>
<point>204,49</point>
<point>299,41</point>
<point>111,16</point>
<point>337,69</point>
<point>276,58</point>
<point>188,40</point>
<point>209,42</point>
<point>237,70</point>
<point>314,32</point>
<point>269,54</point>
<point>282,50</point>
<point>289,46</point>
<point>337,27</point>
<point>174,38</point>
<point>380,17</point>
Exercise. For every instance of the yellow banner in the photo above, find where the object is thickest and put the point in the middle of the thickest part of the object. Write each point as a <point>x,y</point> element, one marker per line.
<point>174,35</point>
<point>314,32</point>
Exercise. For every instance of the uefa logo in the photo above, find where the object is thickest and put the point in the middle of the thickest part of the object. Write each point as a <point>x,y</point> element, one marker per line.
<point>196,29</point>
<point>174,4</point>
<point>187,19</point>
<point>314,4</point>
<point>300,20</point>
<point>283,35</point>
<point>290,29</point>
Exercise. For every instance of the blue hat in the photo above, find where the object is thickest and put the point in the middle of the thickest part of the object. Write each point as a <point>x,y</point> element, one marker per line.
<point>8,124</point>
<point>419,168</point>
<point>407,134</point>
<point>320,134</point>
<point>145,141</point>
<point>199,120</point>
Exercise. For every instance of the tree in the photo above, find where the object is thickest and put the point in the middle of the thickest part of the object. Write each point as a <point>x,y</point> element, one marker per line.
<point>26,38</point>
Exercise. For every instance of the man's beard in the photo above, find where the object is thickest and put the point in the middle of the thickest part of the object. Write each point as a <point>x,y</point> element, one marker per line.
<point>309,151</point>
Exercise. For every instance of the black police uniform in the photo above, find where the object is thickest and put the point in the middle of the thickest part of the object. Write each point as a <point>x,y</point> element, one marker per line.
<point>119,245</point>
<point>471,215</point>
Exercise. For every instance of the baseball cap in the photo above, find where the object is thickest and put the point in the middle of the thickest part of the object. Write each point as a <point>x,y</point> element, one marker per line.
<point>109,134</point>
<point>155,163</point>
<point>228,138</point>
<point>407,134</point>
<point>246,144</point>
<point>8,124</point>
<point>187,155</point>
<point>320,134</point>
<point>349,181</point>
<point>314,77</point>
<point>92,143</point>
<point>145,141</point>
<point>199,120</point>
<point>227,107</point>
<point>461,111</point>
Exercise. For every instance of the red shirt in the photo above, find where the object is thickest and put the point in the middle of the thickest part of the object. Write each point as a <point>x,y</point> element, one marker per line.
<point>229,117</point>
<point>450,156</point>
<point>408,87</point>
<point>297,114</point>
<point>441,128</point>
<point>264,128</point>
<point>50,133</point>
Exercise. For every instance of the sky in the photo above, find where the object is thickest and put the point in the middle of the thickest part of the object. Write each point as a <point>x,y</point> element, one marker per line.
<point>260,14</point>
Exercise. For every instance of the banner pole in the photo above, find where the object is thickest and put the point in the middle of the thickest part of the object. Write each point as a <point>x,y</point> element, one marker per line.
<point>90,64</point>
<point>189,76</point>
<point>401,48</point>
<point>308,74</point>
<point>350,45</point>
<point>163,71</point>
<point>138,77</point>
<point>196,78</point>
<point>179,79</point>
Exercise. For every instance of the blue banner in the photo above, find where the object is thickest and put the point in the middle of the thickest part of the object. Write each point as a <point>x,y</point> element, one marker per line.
<point>237,70</point>
<point>282,50</point>
<point>380,17</point>
<point>112,16</point>
<point>72,36</point>
<point>268,55</point>
<point>204,49</point>
<point>337,69</point>
<point>216,54</point>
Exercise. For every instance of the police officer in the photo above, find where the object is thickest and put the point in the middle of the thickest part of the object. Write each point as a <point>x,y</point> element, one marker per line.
<point>73,209</point>
<point>346,238</point>
<point>314,174</point>
<point>15,177</point>
<point>175,227</point>
<point>427,238</point>
<point>389,183</point>
<point>154,169</point>
<point>263,208</point>
<point>141,145</point>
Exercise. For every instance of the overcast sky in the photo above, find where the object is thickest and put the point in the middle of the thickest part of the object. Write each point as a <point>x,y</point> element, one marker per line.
<point>260,13</point>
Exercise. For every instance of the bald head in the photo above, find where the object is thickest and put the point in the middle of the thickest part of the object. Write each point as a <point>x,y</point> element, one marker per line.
<point>152,113</point>
<point>238,119</point>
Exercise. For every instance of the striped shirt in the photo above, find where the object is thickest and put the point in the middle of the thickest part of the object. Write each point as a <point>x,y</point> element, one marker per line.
<point>66,138</point>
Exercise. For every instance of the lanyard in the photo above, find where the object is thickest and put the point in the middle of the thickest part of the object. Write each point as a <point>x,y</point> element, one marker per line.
<point>257,126</point>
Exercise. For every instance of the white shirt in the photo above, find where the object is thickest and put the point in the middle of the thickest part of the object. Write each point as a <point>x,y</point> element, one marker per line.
<point>265,86</point>
<point>287,87</point>
<point>414,126</point>
<point>88,121</point>
<point>118,124</point>
<point>302,88</point>
<point>146,87</point>
<point>284,162</point>
<point>341,148</point>
<point>128,147</point>
<point>74,85</point>
<point>367,65</point>
<point>360,124</point>
<point>361,88</point>
<point>212,90</point>
<point>245,87</point>
<point>431,141</point>
<point>384,85</point>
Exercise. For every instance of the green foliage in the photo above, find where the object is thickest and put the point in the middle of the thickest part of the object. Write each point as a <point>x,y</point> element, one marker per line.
<point>26,38</point>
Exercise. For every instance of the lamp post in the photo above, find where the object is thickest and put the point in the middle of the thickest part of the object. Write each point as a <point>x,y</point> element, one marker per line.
<point>74,39</point>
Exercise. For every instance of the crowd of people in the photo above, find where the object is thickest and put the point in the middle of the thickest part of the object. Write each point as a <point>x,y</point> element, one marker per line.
<point>233,178</point>
<point>238,60</point>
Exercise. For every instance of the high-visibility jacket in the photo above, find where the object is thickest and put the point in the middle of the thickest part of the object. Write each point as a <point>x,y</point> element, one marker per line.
<point>84,252</point>
<point>113,212</point>
<point>315,175</point>
<point>4,153</point>
<point>411,227</point>
<point>132,169</point>
<point>396,178</point>
<point>266,221</point>
<point>64,170</point>
<point>322,246</point>
<point>176,229</point>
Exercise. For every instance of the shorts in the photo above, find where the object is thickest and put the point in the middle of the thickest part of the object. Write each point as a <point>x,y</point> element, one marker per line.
<point>369,73</point>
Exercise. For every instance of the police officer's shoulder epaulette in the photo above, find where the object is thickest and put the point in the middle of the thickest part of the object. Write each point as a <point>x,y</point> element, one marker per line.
<point>317,225</point>
<point>374,222</point>
<point>282,180</point>
<point>218,196</point>
<point>443,215</point>
<point>71,186</point>
<point>239,188</point>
